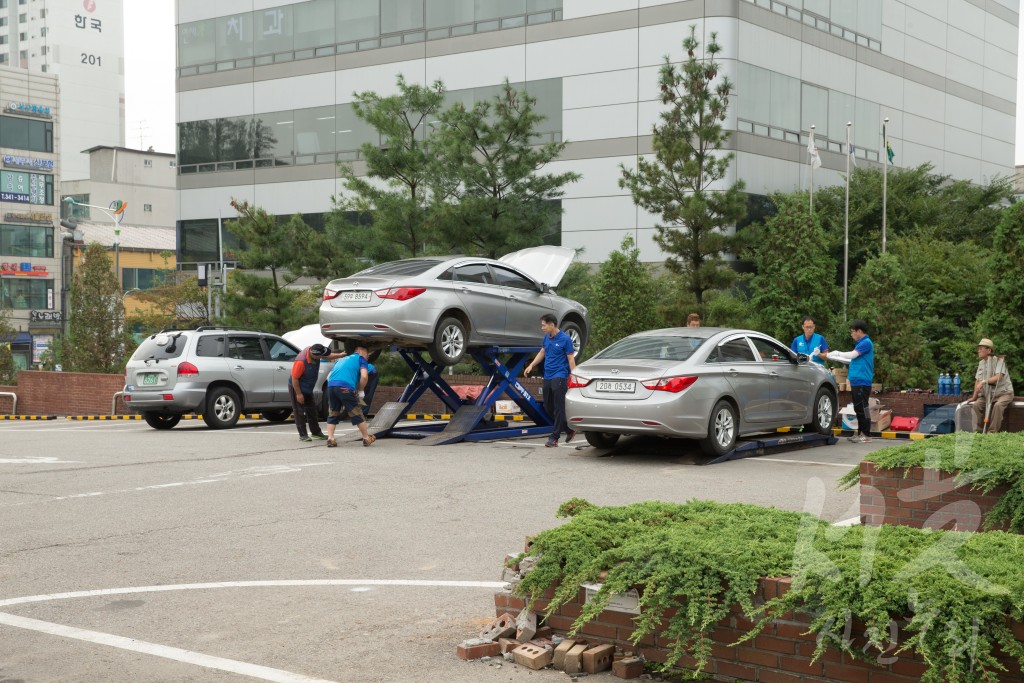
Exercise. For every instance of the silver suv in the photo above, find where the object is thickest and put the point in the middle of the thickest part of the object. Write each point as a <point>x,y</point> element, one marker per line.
<point>219,372</point>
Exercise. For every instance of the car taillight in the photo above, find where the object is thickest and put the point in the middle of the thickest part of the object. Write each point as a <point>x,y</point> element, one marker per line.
<point>577,382</point>
<point>400,293</point>
<point>670,384</point>
<point>330,293</point>
<point>187,368</point>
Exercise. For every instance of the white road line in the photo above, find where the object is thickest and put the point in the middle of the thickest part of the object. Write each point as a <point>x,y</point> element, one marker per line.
<point>799,462</point>
<point>186,656</point>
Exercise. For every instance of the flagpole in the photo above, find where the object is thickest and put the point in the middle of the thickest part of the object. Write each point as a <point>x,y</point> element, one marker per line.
<point>811,162</point>
<point>846,230</point>
<point>885,179</point>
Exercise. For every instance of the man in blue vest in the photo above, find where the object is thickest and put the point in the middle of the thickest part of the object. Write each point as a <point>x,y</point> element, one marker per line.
<point>305,371</point>
<point>810,340</point>
<point>862,373</point>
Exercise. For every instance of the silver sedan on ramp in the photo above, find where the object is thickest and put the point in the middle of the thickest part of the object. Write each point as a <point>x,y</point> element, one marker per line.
<point>704,383</point>
<point>451,303</point>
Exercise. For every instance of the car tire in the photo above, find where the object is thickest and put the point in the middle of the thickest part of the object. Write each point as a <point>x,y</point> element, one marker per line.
<point>450,342</point>
<point>601,439</point>
<point>223,408</point>
<point>723,428</point>
<point>277,415</point>
<point>575,332</point>
<point>161,420</point>
<point>824,413</point>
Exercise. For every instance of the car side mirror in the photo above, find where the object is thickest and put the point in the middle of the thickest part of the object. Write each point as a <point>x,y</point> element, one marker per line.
<point>799,358</point>
<point>544,288</point>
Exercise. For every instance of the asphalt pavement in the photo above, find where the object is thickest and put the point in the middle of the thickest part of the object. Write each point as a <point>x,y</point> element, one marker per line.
<point>129,554</point>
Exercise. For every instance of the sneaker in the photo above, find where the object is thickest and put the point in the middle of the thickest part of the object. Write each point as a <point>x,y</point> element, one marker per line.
<point>320,437</point>
<point>305,438</point>
<point>865,439</point>
<point>552,443</point>
<point>569,436</point>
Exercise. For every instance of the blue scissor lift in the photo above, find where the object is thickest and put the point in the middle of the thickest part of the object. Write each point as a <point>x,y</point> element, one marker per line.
<point>468,422</point>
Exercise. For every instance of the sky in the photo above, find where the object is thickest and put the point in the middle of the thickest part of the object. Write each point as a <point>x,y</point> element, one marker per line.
<point>149,77</point>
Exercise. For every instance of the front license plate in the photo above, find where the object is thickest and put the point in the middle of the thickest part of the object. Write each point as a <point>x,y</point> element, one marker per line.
<point>617,387</point>
<point>354,296</point>
<point>149,378</point>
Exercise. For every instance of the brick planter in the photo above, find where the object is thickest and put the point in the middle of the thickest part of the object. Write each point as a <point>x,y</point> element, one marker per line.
<point>923,498</point>
<point>781,654</point>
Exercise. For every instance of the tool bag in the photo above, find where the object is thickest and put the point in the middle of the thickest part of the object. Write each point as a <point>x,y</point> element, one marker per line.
<point>903,424</point>
<point>939,421</point>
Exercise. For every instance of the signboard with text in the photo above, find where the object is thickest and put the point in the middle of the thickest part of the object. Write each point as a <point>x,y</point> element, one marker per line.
<point>28,163</point>
<point>23,269</point>
<point>23,188</point>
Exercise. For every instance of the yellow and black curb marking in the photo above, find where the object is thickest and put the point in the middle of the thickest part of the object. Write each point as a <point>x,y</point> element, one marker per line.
<point>104,417</point>
<point>912,436</point>
<point>28,417</point>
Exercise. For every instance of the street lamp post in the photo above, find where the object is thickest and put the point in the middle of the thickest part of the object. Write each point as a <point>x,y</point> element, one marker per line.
<point>116,215</point>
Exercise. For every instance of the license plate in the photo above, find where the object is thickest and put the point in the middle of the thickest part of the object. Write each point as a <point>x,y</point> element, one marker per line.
<point>149,378</point>
<point>617,387</point>
<point>354,296</point>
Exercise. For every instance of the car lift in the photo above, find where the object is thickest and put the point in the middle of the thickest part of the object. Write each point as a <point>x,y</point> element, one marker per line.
<point>759,445</point>
<point>469,421</point>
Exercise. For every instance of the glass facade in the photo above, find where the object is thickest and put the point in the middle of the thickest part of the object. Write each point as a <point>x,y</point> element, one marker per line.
<point>859,22</point>
<point>323,27</point>
<point>142,278</point>
<point>321,134</point>
<point>26,241</point>
<point>27,134</point>
<point>22,294</point>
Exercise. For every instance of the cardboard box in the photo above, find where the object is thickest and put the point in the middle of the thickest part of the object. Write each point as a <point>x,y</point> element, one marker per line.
<point>506,407</point>
<point>848,417</point>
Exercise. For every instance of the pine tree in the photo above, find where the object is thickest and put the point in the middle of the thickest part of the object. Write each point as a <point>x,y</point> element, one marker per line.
<point>1003,318</point>
<point>8,373</point>
<point>682,183</point>
<point>622,296</point>
<point>97,340</point>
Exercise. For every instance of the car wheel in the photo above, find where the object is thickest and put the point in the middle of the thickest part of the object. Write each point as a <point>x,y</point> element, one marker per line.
<point>722,430</point>
<point>223,408</point>
<point>449,345</point>
<point>824,413</point>
<point>279,415</point>
<point>575,333</point>
<point>161,420</point>
<point>601,439</point>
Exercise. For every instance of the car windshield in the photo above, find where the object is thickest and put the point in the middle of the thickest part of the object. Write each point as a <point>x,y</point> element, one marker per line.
<point>415,266</point>
<point>652,348</point>
<point>163,345</point>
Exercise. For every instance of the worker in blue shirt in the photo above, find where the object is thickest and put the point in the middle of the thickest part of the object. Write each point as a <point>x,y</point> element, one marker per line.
<point>808,341</point>
<point>862,374</point>
<point>559,356</point>
<point>346,382</point>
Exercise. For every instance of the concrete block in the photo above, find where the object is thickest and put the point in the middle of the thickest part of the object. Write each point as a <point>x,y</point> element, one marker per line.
<point>511,576</point>
<point>477,648</point>
<point>526,624</point>
<point>526,565</point>
<point>508,644</point>
<point>503,626</point>
<point>598,658</point>
<point>628,668</point>
<point>573,663</point>
<point>532,656</point>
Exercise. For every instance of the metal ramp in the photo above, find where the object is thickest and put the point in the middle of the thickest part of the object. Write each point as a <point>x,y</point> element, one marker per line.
<point>761,445</point>
<point>469,422</point>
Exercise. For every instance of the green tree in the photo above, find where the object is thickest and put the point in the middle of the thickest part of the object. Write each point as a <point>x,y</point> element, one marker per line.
<point>395,189</point>
<point>490,192</point>
<point>177,301</point>
<point>795,273</point>
<point>683,183</point>
<point>881,296</point>
<point>97,340</point>
<point>8,373</point>
<point>623,291</point>
<point>264,295</point>
<point>1003,318</point>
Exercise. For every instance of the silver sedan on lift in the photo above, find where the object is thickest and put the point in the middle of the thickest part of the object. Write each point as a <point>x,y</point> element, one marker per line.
<point>704,383</point>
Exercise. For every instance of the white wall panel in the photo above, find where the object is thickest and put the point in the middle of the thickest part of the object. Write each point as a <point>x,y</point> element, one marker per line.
<point>997,152</point>
<point>214,103</point>
<point>591,90</point>
<point>379,78</point>
<point>921,130</point>
<point>769,50</point>
<point>281,198</point>
<point>299,92</point>
<point>598,213</point>
<point>581,55</point>
<point>597,123</point>
<point>915,155</point>
<point>934,9</point>
<point>764,174</point>
<point>925,56</point>
<point>1000,60</point>
<point>1001,33</point>
<point>926,28</point>
<point>600,176</point>
<point>922,100</point>
<point>667,39</point>
<point>999,85</point>
<point>966,17</point>
<point>597,245</point>
<point>968,168</point>
<point>894,43</point>
<point>483,67</point>
<point>585,8</point>
<point>879,86</point>
<point>962,142</point>
<point>996,124</point>
<point>208,201</point>
<point>826,69</point>
<point>964,70</point>
<point>966,45</point>
<point>960,112</point>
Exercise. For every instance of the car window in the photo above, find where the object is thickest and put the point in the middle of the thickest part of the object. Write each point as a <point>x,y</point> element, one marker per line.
<point>508,278</point>
<point>474,272</point>
<point>245,348</point>
<point>770,352</point>
<point>651,348</point>
<point>160,346</point>
<point>278,349</point>
<point>447,275</point>
<point>210,346</point>
<point>732,351</point>
<point>405,267</point>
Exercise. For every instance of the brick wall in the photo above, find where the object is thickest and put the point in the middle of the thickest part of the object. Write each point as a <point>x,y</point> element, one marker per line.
<point>781,654</point>
<point>64,393</point>
<point>923,498</point>
<point>912,405</point>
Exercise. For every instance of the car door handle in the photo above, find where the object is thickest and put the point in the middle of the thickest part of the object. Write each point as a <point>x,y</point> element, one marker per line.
<point>281,368</point>
<point>513,297</point>
<point>773,374</point>
<point>238,367</point>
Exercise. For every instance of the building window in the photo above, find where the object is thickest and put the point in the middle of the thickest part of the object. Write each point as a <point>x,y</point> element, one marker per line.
<point>147,207</point>
<point>22,18</point>
<point>148,163</point>
<point>3,21</point>
<point>142,278</point>
<point>25,293</point>
<point>3,40</point>
<point>43,50</point>
<point>42,13</point>
<point>26,241</point>
<point>22,2</point>
<point>19,133</point>
<point>3,58</point>
<point>43,32</point>
<point>68,210</point>
<point>23,36</point>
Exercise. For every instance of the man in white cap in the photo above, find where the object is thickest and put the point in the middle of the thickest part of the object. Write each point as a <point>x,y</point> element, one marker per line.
<point>992,388</point>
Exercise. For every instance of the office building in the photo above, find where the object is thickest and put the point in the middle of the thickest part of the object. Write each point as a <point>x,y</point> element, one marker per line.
<point>265,90</point>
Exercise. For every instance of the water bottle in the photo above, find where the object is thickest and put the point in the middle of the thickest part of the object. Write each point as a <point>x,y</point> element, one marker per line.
<point>943,384</point>
<point>956,384</point>
<point>949,385</point>
<point>940,384</point>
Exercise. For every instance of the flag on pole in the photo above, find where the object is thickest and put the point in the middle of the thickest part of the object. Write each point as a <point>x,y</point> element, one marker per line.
<point>812,150</point>
<point>888,151</point>
<point>853,157</point>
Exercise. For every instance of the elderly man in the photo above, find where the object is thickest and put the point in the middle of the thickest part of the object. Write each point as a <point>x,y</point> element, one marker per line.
<point>993,390</point>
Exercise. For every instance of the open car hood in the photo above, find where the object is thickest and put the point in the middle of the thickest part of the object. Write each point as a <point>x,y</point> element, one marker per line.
<point>546,264</point>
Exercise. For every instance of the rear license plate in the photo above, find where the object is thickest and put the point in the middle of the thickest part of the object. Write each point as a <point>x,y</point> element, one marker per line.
<point>149,378</point>
<point>617,387</point>
<point>354,296</point>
